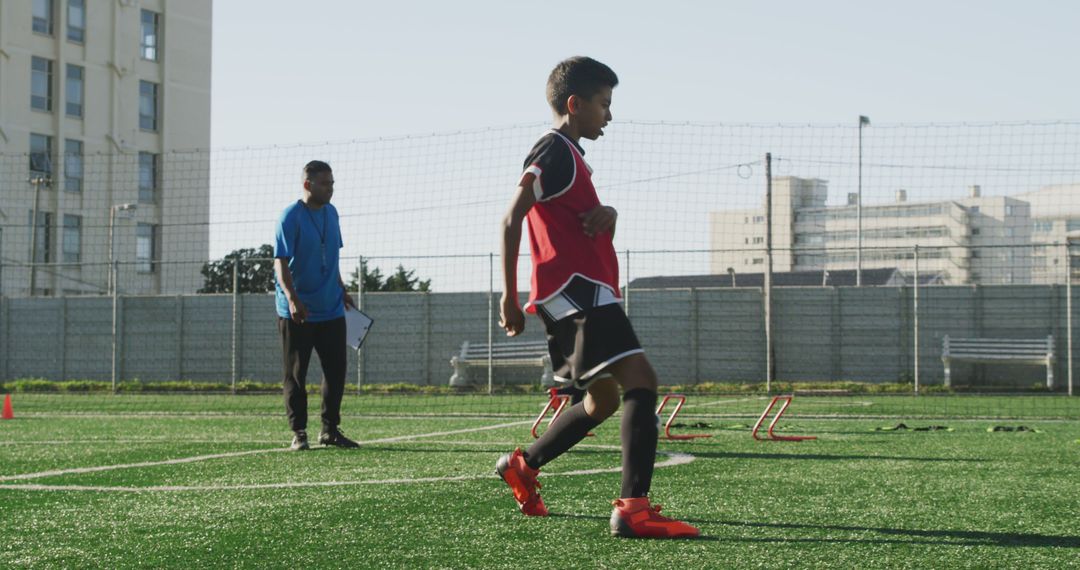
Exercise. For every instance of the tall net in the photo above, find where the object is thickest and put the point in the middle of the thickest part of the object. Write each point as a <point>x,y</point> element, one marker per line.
<point>149,273</point>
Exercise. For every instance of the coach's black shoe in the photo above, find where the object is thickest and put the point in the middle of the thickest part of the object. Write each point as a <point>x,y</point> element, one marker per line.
<point>335,438</point>
<point>299,441</point>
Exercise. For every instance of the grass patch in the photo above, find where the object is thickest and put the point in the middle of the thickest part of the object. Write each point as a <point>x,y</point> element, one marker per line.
<point>854,498</point>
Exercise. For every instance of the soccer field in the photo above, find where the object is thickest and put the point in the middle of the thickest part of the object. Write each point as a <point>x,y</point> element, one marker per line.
<point>205,481</point>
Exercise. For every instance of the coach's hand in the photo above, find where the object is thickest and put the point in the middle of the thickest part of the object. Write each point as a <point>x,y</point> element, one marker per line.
<point>349,303</point>
<point>298,311</point>
<point>598,220</point>
<point>511,319</point>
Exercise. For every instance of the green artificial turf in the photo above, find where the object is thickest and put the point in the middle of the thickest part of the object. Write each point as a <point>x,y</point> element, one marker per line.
<point>421,492</point>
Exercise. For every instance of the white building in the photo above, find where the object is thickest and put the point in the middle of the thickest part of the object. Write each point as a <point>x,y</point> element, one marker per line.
<point>976,239</point>
<point>1055,214</point>
<point>96,99</point>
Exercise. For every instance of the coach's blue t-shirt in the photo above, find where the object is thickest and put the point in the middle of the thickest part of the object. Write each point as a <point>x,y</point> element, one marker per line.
<point>311,240</point>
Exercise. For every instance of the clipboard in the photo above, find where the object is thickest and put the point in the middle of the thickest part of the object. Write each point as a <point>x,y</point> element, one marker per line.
<point>357,325</point>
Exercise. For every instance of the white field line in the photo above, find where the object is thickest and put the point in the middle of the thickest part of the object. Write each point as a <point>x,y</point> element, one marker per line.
<point>245,415</point>
<point>862,404</point>
<point>158,440</point>
<point>718,402</point>
<point>80,470</point>
<point>673,459</point>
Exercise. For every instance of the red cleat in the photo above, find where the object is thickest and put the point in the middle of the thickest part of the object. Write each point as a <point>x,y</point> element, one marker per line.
<point>522,481</point>
<point>636,518</point>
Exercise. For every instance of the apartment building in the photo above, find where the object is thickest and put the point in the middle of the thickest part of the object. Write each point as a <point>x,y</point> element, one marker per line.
<point>1055,219</point>
<point>976,239</point>
<point>104,128</point>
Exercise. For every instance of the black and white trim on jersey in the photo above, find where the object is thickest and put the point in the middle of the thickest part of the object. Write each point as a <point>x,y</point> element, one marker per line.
<point>578,294</point>
<point>551,162</point>
<point>584,345</point>
<point>597,372</point>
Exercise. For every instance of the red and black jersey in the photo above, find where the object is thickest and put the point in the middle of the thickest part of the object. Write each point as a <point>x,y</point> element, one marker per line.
<point>558,244</point>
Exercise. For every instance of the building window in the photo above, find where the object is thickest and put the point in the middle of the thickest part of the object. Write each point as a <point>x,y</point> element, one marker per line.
<point>148,106</point>
<point>973,210</point>
<point>41,92</point>
<point>759,219</point>
<point>76,20</point>
<point>42,231</point>
<point>150,35</point>
<point>759,240</point>
<point>74,103</point>
<point>148,177</point>
<point>40,155</point>
<point>43,17</point>
<point>73,165</point>
<point>758,260</point>
<point>72,244</point>
<point>1072,225</point>
<point>145,247</point>
<point>1010,232</point>
<point>975,231</point>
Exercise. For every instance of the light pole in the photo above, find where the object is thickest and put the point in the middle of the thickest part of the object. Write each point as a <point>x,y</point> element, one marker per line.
<point>112,222</point>
<point>1072,238</point>
<point>863,121</point>
<point>731,272</point>
<point>41,178</point>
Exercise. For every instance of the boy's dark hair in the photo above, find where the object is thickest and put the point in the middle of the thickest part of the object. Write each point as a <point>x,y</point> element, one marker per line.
<point>313,168</point>
<point>581,76</point>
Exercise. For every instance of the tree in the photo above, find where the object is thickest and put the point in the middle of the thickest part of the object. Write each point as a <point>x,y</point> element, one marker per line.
<point>403,280</point>
<point>372,280</point>
<point>256,271</point>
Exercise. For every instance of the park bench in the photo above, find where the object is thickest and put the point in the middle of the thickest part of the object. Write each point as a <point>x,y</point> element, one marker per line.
<point>1038,351</point>
<point>513,353</point>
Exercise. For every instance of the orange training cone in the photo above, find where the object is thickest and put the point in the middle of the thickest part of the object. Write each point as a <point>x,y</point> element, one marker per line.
<point>8,413</point>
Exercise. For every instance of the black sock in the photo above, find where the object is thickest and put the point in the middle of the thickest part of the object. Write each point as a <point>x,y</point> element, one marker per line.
<point>569,428</point>
<point>639,435</point>
<point>577,396</point>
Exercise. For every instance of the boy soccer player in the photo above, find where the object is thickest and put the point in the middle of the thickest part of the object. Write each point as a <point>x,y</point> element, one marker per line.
<point>575,292</point>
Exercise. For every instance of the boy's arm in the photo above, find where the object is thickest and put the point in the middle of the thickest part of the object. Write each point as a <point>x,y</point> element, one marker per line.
<point>599,220</point>
<point>511,318</point>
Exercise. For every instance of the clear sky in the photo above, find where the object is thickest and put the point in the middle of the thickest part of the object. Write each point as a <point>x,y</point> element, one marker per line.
<point>294,75</point>
<point>329,70</point>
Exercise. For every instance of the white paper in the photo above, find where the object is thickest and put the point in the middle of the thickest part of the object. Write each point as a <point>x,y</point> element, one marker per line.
<point>357,325</point>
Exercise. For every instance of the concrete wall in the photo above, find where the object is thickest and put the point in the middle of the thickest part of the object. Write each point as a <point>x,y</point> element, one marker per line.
<point>702,335</point>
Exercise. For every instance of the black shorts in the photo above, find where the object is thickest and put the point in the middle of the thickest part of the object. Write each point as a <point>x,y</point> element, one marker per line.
<point>584,344</point>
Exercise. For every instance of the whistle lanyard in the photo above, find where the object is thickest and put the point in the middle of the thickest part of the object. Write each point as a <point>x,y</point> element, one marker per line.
<point>322,234</point>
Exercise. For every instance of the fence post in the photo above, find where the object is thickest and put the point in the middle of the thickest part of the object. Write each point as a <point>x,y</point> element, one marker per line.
<point>836,334</point>
<point>115,324</point>
<point>179,318</point>
<point>770,364</point>
<point>626,294</point>
<point>491,324</point>
<point>5,336</point>
<point>1068,313</point>
<point>695,342</point>
<point>427,337</point>
<point>63,337</point>
<point>235,323</point>
<point>360,306</point>
<point>915,310</point>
